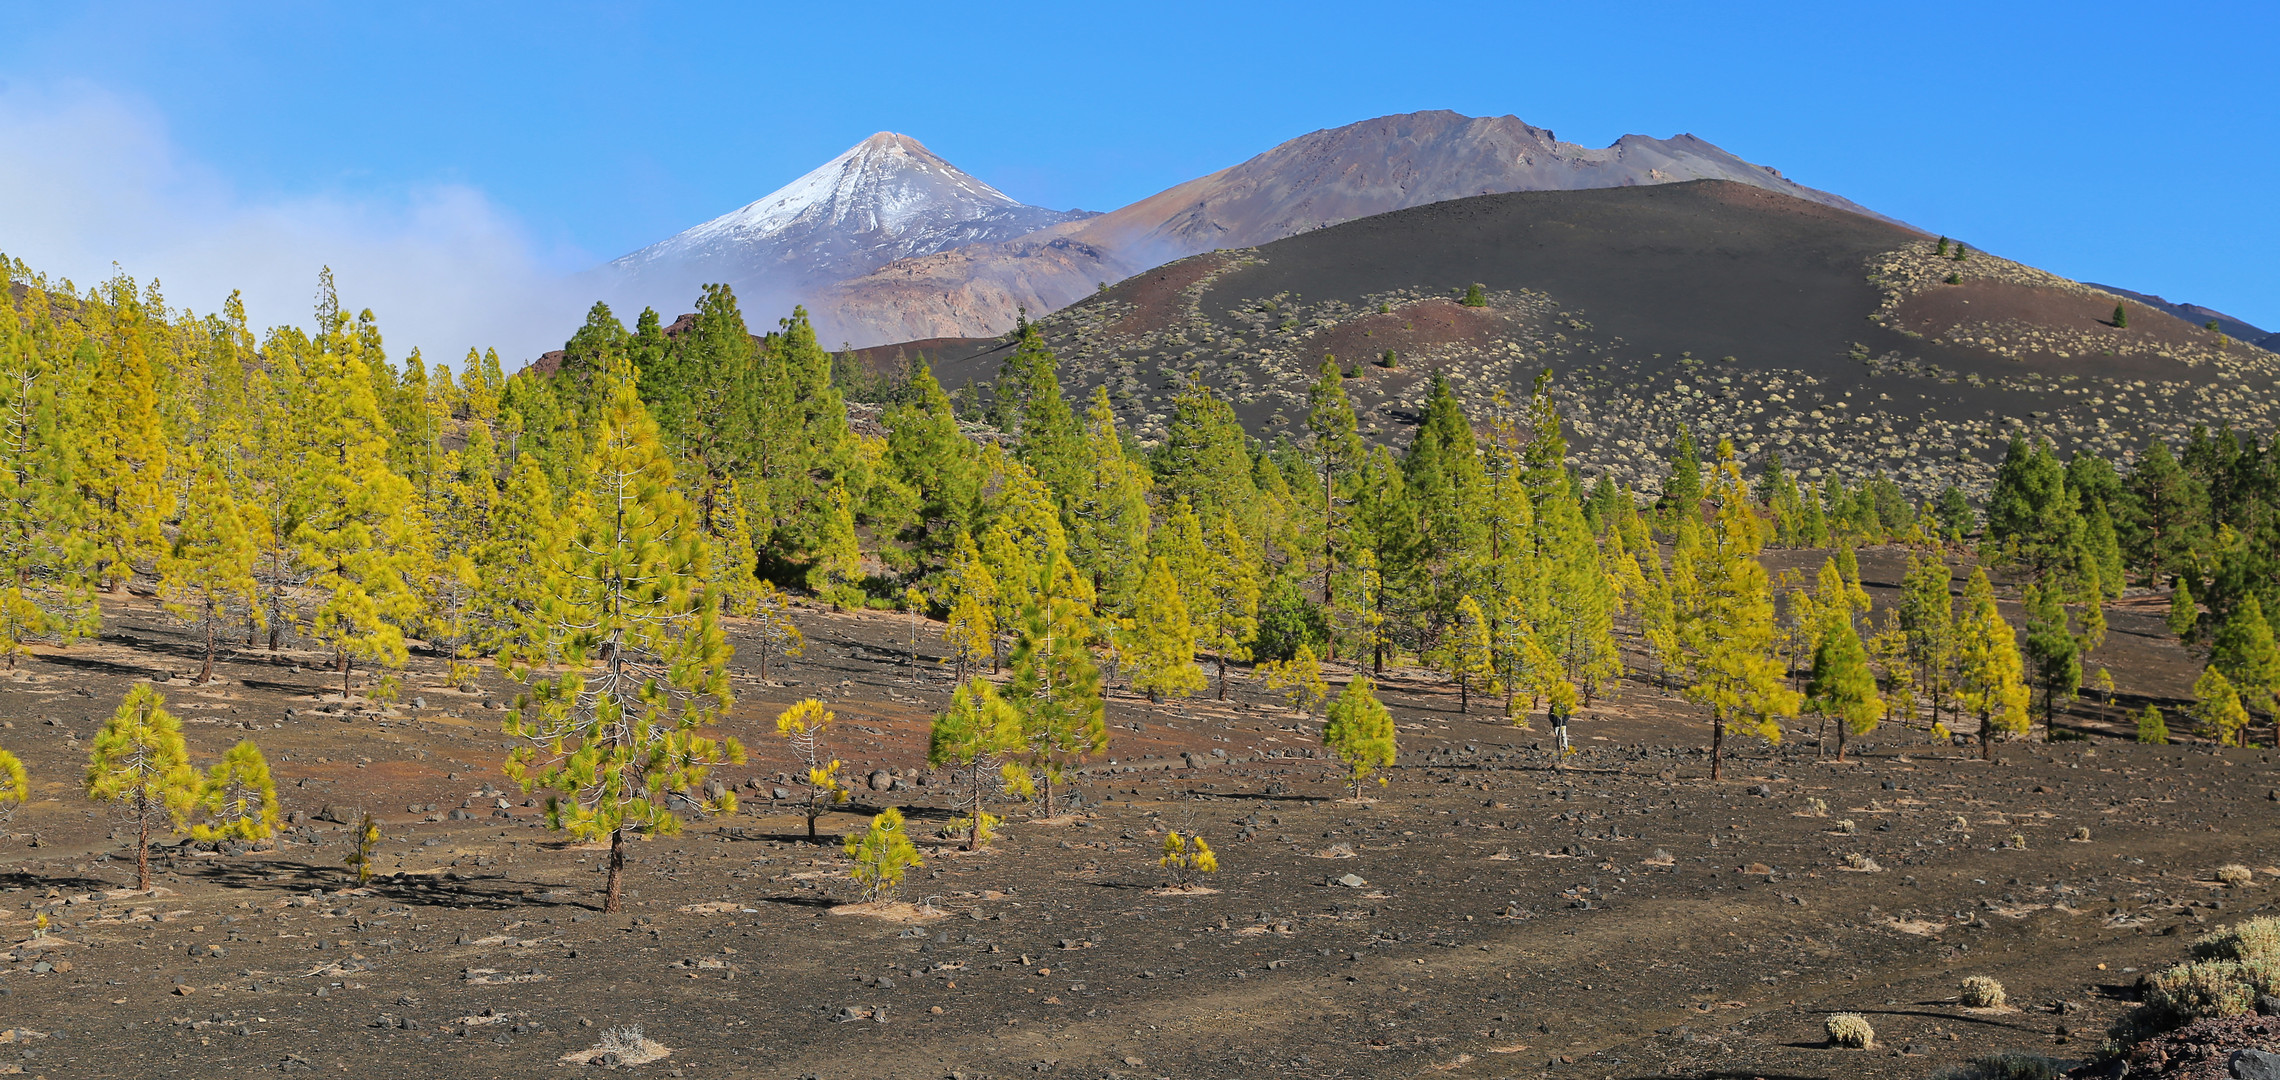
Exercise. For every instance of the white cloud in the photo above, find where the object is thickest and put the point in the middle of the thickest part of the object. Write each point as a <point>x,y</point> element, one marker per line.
<point>89,179</point>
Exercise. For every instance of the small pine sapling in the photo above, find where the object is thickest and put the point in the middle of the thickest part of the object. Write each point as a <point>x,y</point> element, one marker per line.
<point>881,853</point>
<point>1186,858</point>
<point>361,847</point>
<point>1475,295</point>
<point>804,726</point>
<point>1360,732</point>
<point>140,763</point>
<point>2216,706</point>
<point>772,628</point>
<point>238,798</point>
<point>2184,612</point>
<point>1298,680</point>
<point>2151,728</point>
<point>15,786</point>
<point>972,739</point>
<point>2121,317</point>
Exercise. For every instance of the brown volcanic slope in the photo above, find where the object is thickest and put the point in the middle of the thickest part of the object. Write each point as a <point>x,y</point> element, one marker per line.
<point>1784,323</point>
<point>1319,179</point>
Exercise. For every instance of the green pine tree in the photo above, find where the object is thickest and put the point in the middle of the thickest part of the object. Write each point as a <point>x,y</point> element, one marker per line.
<point>1056,686</point>
<point>614,728</point>
<point>2216,706</point>
<point>1160,638</point>
<point>973,738</point>
<point>140,764</point>
<point>2151,728</point>
<point>1843,688</point>
<point>207,577</point>
<point>1359,732</point>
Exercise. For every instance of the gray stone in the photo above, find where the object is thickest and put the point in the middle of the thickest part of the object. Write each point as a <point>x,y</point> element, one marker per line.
<point>2254,1065</point>
<point>880,779</point>
<point>2267,1005</point>
<point>1351,881</point>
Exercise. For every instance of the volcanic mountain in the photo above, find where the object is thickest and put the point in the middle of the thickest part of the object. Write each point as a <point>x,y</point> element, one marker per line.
<point>1839,339</point>
<point>1323,178</point>
<point>887,198</point>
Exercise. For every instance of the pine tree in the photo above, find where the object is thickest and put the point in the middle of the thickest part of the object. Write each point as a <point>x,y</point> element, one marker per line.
<point>2245,652</point>
<point>772,631</point>
<point>735,550</point>
<point>2053,650</point>
<point>938,468</point>
<point>972,628</point>
<point>1843,688</point>
<point>2151,728</point>
<point>1226,608</point>
<point>1298,679</point>
<point>15,785</point>
<point>47,556</point>
<point>1336,448</point>
<point>123,471</point>
<point>2121,317</point>
<point>804,727</point>
<point>238,798</point>
<point>1359,732</point>
<point>881,854</point>
<point>837,573</point>
<point>1160,638</point>
<point>1475,296</point>
<point>2184,614</point>
<point>2216,706</point>
<point>362,848</point>
<point>618,730</point>
<point>1927,619</point>
<point>972,739</point>
<point>1726,627</point>
<point>207,577</point>
<point>1186,857</point>
<point>1108,518</point>
<point>1466,655</point>
<point>351,511</point>
<point>1055,686</point>
<point>1990,677</point>
<point>140,763</point>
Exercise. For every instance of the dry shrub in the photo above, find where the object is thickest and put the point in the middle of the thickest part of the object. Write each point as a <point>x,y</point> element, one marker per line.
<point>2252,939</point>
<point>1850,1030</point>
<point>2234,874</point>
<point>1981,992</point>
<point>2211,988</point>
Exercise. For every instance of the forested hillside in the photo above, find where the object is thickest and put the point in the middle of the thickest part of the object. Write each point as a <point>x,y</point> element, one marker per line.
<point>290,482</point>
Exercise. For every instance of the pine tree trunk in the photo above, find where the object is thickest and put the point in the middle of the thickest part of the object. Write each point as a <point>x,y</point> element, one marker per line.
<point>142,841</point>
<point>610,899</point>
<point>1222,676</point>
<point>344,675</point>
<point>1717,747</point>
<point>207,672</point>
<point>1986,738</point>
<point>1843,729</point>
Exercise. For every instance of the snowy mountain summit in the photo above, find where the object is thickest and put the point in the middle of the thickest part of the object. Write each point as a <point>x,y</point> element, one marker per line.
<point>888,197</point>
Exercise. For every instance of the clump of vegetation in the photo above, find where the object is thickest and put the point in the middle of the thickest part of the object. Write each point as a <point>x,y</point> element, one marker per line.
<point>1360,732</point>
<point>1475,296</point>
<point>1186,858</point>
<point>1850,1030</point>
<point>2017,842</point>
<point>360,851</point>
<point>2081,834</point>
<point>1858,861</point>
<point>2151,728</point>
<point>1981,992</point>
<point>2121,317</point>
<point>2005,1067</point>
<point>1847,827</point>
<point>881,854</point>
<point>2210,988</point>
<point>2235,875</point>
<point>1391,359</point>
<point>2252,939</point>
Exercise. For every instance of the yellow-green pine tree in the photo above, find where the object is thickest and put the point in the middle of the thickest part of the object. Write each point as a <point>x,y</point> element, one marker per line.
<point>1990,675</point>
<point>972,739</point>
<point>140,763</point>
<point>1159,647</point>
<point>773,631</point>
<point>1466,655</point>
<point>47,555</point>
<point>238,798</point>
<point>804,727</point>
<point>123,462</point>
<point>881,853</point>
<point>207,577</point>
<point>837,574</point>
<point>1298,679</point>
<point>1727,629</point>
<point>617,727</point>
<point>355,523</point>
<point>1359,731</point>
<point>2216,705</point>
<point>1055,685</point>
<point>971,631</point>
<point>15,785</point>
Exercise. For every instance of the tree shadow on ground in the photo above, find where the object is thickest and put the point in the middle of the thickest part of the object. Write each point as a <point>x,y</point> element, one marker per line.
<point>19,879</point>
<point>494,892</point>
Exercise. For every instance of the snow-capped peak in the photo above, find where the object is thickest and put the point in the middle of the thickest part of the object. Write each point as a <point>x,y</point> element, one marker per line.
<point>885,184</point>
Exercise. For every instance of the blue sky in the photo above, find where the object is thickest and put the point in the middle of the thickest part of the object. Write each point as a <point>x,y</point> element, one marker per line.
<point>451,160</point>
